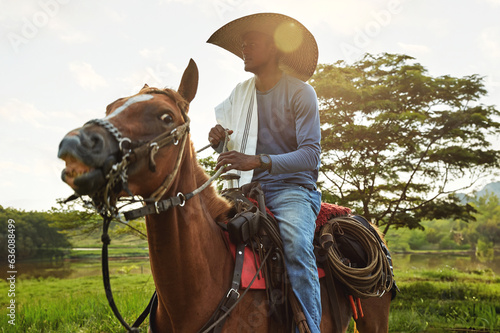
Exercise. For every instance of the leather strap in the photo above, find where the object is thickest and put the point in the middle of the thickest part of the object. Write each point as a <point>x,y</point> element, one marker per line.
<point>238,267</point>
<point>232,295</point>
<point>154,208</point>
<point>332,297</point>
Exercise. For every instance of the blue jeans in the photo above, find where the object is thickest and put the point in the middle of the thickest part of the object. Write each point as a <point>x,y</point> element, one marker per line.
<point>296,209</point>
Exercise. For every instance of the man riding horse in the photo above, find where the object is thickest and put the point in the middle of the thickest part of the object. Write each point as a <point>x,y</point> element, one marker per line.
<point>141,151</point>
<point>273,120</point>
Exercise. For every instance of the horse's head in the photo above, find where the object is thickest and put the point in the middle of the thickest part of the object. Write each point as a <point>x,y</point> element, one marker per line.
<point>137,133</point>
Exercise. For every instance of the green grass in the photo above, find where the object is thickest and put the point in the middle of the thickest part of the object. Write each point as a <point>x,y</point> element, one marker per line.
<point>430,301</point>
<point>445,299</point>
<point>76,305</point>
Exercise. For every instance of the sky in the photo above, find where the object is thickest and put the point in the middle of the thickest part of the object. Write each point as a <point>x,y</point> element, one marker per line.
<point>63,61</point>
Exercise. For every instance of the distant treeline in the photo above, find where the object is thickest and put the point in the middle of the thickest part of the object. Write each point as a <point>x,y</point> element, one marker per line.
<point>34,234</point>
<point>481,235</point>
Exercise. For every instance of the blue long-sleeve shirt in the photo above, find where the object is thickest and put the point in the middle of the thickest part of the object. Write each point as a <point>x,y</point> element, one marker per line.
<point>289,131</point>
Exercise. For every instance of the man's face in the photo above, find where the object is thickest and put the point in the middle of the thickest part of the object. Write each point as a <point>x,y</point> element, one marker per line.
<point>258,51</point>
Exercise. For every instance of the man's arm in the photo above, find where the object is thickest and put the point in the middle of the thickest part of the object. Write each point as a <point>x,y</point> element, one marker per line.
<point>308,133</point>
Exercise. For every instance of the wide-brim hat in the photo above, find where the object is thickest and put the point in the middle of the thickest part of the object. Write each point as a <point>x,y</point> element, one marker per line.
<point>297,45</point>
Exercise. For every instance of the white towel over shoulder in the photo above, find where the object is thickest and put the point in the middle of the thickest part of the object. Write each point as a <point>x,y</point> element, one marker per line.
<point>239,113</point>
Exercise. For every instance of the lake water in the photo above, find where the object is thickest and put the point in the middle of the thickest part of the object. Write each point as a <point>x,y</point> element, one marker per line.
<point>465,263</point>
<point>67,269</point>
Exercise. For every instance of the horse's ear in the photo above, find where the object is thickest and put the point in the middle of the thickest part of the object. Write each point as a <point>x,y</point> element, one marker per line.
<point>189,82</point>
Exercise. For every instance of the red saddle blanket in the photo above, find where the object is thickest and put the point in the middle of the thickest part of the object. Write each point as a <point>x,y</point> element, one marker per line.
<point>327,212</point>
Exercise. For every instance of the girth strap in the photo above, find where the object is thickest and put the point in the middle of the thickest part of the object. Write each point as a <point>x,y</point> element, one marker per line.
<point>220,315</point>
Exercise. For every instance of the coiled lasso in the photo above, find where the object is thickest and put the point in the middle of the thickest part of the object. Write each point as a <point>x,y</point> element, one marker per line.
<point>376,277</point>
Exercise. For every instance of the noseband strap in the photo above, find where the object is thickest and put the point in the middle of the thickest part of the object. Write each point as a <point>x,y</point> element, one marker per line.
<point>111,130</point>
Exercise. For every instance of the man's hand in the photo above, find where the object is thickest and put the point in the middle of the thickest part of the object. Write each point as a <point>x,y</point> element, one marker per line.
<point>217,135</point>
<point>237,161</point>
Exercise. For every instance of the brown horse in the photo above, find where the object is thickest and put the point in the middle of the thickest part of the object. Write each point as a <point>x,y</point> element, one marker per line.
<point>190,260</point>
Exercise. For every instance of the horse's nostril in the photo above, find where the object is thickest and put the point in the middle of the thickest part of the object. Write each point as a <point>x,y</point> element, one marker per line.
<point>96,139</point>
<point>92,141</point>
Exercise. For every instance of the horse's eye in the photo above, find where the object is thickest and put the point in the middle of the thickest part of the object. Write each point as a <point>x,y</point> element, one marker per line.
<point>166,118</point>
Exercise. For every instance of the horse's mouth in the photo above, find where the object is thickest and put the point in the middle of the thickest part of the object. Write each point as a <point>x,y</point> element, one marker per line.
<point>74,169</point>
<point>85,180</point>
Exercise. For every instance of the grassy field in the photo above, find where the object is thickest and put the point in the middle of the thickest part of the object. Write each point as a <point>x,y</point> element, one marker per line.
<point>446,300</point>
<point>430,301</point>
<point>76,305</point>
<point>89,246</point>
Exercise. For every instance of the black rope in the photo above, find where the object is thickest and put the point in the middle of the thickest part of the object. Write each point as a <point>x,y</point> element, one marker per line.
<point>106,240</point>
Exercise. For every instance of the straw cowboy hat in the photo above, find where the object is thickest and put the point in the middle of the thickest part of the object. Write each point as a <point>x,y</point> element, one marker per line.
<point>297,45</point>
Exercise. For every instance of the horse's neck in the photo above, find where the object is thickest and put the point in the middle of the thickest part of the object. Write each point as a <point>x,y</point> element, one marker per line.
<point>189,258</point>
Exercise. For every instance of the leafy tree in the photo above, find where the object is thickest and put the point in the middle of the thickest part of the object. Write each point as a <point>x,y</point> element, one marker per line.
<point>74,218</point>
<point>486,228</point>
<point>208,164</point>
<point>394,138</point>
<point>77,218</point>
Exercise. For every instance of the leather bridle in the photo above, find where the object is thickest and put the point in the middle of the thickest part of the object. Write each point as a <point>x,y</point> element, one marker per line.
<point>133,151</point>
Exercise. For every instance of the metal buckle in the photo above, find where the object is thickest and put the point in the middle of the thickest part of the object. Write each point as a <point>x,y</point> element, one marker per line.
<point>157,209</point>
<point>183,199</point>
<point>233,290</point>
<point>176,141</point>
